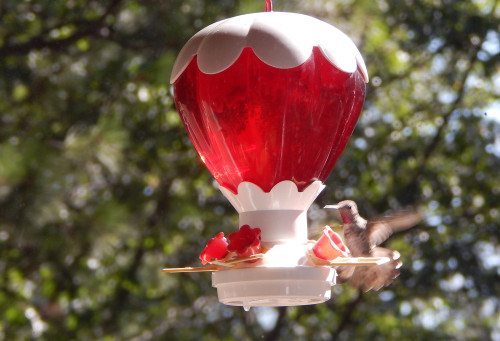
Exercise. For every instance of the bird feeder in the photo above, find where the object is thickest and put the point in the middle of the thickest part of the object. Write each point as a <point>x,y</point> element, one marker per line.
<point>269,101</point>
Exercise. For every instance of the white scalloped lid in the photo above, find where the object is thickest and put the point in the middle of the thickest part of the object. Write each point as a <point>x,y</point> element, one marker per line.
<point>280,39</point>
<point>283,196</point>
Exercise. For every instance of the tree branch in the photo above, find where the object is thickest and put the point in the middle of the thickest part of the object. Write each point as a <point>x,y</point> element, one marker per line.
<point>122,294</point>
<point>85,28</point>
<point>275,333</point>
<point>431,147</point>
<point>347,315</point>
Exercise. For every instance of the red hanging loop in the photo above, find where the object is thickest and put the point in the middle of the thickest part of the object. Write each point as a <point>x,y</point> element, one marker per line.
<point>269,6</point>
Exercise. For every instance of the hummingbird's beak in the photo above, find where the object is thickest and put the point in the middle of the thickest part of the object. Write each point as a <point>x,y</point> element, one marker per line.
<point>335,207</point>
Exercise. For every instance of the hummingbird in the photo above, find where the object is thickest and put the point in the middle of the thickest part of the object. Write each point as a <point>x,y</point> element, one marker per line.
<point>363,238</point>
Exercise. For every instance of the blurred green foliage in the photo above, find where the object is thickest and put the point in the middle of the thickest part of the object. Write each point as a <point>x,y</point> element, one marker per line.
<point>100,186</point>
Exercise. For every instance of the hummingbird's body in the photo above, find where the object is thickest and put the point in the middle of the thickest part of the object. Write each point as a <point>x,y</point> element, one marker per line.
<point>363,238</point>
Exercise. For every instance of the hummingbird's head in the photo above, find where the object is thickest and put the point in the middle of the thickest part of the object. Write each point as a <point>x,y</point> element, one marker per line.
<point>347,209</point>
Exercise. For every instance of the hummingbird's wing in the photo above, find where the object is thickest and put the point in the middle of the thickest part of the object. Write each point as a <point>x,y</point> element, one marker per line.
<point>380,230</point>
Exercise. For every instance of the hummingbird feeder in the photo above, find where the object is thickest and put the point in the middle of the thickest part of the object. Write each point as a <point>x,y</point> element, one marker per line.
<point>269,101</point>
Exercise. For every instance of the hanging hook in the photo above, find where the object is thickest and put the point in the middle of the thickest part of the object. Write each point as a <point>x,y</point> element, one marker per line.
<point>269,6</point>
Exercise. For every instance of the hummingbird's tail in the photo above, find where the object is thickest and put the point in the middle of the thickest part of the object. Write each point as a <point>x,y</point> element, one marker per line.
<point>372,277</point>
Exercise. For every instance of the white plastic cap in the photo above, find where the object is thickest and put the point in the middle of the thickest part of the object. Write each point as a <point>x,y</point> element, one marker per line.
<point>282,40</point>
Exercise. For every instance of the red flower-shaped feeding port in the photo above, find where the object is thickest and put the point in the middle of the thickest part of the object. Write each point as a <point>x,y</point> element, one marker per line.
<point>330,245</point>
<point>245,242</point>
<point>216,248</point>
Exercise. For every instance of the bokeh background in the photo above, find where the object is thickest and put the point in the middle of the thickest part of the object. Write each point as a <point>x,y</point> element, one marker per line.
<point>100,186</point>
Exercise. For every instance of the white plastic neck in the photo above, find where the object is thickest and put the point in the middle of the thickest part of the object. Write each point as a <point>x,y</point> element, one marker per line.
<point>278,226</point>
<point>281,213</point>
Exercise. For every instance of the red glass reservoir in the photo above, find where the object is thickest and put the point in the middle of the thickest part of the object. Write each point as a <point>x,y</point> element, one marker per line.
<point>258,123</point>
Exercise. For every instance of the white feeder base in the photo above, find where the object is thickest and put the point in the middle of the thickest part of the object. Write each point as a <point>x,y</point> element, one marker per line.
<point>274,286</point>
